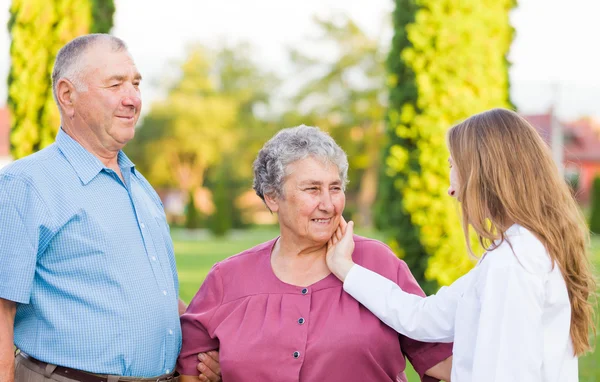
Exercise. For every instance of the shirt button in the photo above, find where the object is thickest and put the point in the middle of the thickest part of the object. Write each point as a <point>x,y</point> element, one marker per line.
<point>168,371</point>
<point>304,291</point>
<point>301,320</point>
<point>296,354</point>
<point>165,292</point>
<point>153,258</point>
<point>142,225</point>
<point>170,332</point>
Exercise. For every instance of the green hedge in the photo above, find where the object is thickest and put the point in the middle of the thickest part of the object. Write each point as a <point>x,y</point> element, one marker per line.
<point>448,60</point>
<point>38,29</point>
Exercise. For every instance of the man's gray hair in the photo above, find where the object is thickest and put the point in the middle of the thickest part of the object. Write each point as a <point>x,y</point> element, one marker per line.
<point>288,146</point>
<point>68,63</point>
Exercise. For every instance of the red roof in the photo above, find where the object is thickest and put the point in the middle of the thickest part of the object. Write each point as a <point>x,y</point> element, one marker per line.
<point>581,137</point>
<point>587,134</point>
<point>4,132</point>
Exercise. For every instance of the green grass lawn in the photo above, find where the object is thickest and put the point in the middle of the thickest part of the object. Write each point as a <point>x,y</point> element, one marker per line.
<point>196,254</point>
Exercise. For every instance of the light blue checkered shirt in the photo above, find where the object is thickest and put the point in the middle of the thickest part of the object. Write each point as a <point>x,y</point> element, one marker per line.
<point>90,263</point>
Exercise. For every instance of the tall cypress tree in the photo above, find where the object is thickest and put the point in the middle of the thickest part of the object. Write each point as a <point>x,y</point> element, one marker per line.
<point>448,60</point>
<point>595,209</point>
<point>38,29</point>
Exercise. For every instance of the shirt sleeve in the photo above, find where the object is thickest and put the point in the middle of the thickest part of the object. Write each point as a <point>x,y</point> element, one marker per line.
<point>403,308</point>
<point>197,333</point>
<point>24,234</point>
<point>400,307</point>
<point>509,344</point>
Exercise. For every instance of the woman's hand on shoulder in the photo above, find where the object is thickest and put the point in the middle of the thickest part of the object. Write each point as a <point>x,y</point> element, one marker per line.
<point>340,248</point>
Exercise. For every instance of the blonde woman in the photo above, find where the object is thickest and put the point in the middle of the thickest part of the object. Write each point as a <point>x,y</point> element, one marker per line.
<point>523,313</point>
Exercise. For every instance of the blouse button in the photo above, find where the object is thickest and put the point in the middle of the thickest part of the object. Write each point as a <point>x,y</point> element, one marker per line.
<point>301,320</point>
<point>296,354</point>
<point>304,291</point>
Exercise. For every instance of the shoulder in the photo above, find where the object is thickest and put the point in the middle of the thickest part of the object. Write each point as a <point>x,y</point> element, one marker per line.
<point>378,257</point>
<point>33,168</point>
<point>32,175</point>
<point>521,250</point>
<point>244,262</point>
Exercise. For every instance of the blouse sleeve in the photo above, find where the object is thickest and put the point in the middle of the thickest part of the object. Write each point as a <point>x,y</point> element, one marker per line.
<point>197,332</point>
<point>509,343</point>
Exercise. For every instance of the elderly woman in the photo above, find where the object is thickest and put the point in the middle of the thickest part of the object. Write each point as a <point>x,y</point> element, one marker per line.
<point>275,312</point>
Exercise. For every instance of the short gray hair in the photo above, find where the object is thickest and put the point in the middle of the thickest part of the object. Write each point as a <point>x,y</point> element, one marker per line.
<point>69,58</point>
<point>288,146</point>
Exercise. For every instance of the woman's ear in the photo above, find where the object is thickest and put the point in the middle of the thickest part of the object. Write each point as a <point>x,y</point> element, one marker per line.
<point>272,203</point>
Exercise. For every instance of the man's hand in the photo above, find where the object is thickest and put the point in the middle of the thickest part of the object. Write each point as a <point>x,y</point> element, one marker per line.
<point>442,370</point>
<point>339,250</point>
<point>7,351</point>
<point>209,366</point>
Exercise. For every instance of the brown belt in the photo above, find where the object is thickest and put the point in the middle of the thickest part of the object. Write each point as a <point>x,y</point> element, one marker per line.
<point>83,376</point>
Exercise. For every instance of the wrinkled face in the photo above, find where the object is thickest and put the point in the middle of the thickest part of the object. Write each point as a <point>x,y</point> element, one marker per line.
<point>111,104</point>
<point>312,204</point>
<point>454,184</point>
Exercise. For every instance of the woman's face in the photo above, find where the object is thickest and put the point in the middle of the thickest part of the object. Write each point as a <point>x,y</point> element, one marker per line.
<point>312,202</point>
<point>454,184</point>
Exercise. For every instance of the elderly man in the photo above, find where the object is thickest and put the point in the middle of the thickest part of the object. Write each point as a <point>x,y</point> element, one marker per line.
<point>88,284</point>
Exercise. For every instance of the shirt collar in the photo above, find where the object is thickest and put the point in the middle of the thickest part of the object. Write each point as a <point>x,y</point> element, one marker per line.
<point>85,164</point>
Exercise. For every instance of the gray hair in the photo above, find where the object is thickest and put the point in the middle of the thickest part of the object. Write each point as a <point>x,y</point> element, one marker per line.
<point>288,146</point>
<point>68,63</point>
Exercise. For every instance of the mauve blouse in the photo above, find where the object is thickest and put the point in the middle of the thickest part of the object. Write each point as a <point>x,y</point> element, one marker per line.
<point>267,330</point>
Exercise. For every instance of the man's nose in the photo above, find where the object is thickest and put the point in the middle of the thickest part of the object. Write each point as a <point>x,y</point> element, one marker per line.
<point>132,97</point>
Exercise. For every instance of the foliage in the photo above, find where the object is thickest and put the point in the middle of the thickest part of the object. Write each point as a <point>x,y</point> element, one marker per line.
<point>38,29</point>
<point>193,218</point>
<point>208,115</point>
<point>102,15</point>
<point>447,61</point>
<point>345,95</point>
<point>595,210</point>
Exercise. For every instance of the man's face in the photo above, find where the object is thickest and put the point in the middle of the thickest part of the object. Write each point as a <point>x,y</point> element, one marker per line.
<point>111,104</point>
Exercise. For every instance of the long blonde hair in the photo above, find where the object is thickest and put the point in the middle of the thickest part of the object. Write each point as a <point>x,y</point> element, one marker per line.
<point>507,176</point>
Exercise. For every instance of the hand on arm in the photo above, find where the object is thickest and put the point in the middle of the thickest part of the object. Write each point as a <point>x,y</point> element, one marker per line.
<point>442,370</point>
<point>7,353</point>
<point>209,368</point>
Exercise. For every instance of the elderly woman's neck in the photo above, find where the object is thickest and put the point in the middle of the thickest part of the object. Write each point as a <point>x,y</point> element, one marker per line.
<point>299,265</point>
<point>296,248</point>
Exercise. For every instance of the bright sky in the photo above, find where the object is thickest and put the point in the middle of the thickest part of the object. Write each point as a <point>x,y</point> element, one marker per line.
<point>555,54</point>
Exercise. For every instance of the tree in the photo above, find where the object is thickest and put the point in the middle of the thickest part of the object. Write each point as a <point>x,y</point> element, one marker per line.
<point>207,116</point>
<point>38,29</point>
<point>346,95</point>
<point>595,213</point>
<point>185,134</point>
<point>448,60</point>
